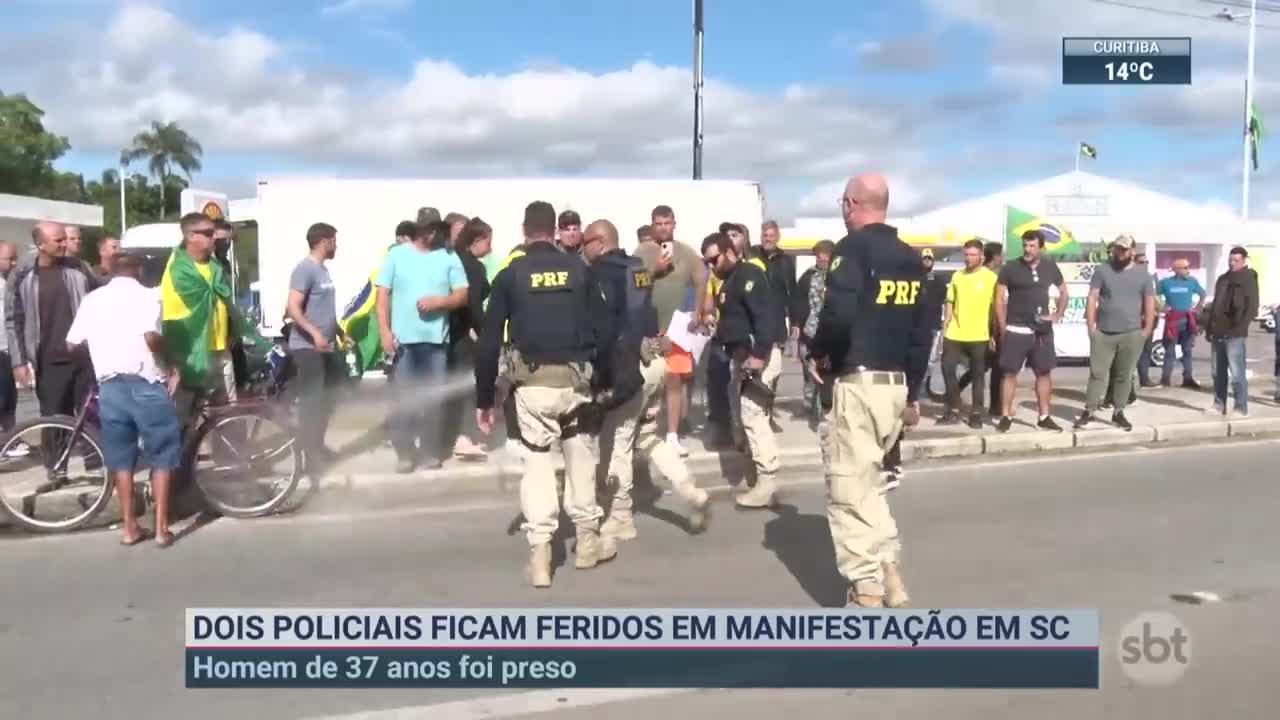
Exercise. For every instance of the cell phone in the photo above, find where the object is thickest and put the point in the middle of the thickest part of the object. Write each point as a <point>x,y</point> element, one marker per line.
<point>668,249</point>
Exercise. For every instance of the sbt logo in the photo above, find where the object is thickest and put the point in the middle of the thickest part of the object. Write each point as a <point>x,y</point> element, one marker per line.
<point>1155,649</point>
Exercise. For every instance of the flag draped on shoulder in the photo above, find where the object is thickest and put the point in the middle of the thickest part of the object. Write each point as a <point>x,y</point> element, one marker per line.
<point>359,323</point>
<point>189,298</point>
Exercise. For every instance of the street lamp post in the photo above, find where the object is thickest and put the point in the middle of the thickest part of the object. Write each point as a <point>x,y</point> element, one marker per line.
<point>697,89</point>
<point>123,217</point>
<point>1227,15</point>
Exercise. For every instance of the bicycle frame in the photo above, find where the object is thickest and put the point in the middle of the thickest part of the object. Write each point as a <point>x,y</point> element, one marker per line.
<point>88,413</point>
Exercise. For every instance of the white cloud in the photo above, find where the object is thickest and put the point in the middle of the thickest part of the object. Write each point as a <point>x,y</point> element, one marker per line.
<point>354,6</point>
<point>906,197</point>
<point>907,53</point>
<point>242,92</point>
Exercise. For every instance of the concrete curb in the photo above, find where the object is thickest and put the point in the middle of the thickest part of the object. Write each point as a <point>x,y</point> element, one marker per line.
<point>489,480</point>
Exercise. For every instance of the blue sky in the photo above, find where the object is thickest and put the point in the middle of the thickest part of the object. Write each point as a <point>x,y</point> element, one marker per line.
<point>952,98</point>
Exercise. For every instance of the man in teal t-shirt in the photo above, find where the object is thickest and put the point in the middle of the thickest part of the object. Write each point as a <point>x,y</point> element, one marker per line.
<point>1183,295</point>
<point>419,283</point>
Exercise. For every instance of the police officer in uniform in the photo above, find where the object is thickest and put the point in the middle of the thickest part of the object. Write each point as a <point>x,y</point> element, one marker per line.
<point>751,331</point>
<point>873,342</point>
<point>550,302</point>
<point>634,380</point>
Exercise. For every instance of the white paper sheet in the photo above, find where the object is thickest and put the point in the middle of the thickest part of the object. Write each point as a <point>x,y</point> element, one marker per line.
<point>678,333</point>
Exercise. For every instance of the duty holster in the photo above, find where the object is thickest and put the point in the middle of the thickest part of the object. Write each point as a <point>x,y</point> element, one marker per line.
<point>755,389</point>
<point>586,419</point>
<point>827,390</point>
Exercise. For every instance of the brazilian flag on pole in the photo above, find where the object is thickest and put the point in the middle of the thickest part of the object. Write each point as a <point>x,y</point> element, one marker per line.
<point>1088,151</point>
<point>1255,133</point>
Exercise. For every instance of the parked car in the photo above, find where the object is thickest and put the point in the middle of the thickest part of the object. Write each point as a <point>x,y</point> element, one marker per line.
<point>1267,317</point>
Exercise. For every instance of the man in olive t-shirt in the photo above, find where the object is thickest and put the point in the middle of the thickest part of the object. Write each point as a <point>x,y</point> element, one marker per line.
<point>678,271</point>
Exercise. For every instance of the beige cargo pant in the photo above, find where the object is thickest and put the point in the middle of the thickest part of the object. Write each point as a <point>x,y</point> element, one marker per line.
<point>538,413</point>
<point>864,421</point>
<point>752,418</point>
<point>633,428</point>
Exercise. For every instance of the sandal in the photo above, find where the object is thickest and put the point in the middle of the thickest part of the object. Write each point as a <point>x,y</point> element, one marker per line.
<point>142,536</point>
<point>165,540</point>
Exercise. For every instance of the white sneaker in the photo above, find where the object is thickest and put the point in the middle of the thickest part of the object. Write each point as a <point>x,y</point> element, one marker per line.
<point>892,479</point>
<point>20,449</point>
<point>674,441</point>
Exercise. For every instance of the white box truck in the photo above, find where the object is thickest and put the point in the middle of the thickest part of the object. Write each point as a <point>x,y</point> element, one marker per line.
<point>366,213</point>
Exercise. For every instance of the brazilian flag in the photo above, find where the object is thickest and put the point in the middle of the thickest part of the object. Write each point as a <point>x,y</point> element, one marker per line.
<point>359,323</point>
<point>196,302</point>
<point>1058,240</point>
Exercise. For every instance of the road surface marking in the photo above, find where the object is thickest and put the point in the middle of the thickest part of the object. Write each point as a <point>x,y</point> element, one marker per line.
<point>507,706</point>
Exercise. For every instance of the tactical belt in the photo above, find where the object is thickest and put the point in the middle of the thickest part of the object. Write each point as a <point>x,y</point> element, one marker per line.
<point>551,375</point>
<point>875,377</point>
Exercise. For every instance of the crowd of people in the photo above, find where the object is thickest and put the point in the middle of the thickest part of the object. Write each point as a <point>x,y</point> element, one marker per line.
<point>570,338</point>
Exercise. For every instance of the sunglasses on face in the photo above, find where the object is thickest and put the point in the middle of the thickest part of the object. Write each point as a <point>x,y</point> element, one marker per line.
<point>206,232</point>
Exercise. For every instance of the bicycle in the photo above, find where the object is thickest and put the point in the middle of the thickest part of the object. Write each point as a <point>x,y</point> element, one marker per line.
<point>65,453</point>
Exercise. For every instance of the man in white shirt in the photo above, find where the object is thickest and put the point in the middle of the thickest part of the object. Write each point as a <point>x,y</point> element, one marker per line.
<point>120,322</point>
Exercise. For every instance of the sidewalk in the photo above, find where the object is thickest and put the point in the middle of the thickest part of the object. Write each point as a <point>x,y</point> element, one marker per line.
<point>1161,415</point>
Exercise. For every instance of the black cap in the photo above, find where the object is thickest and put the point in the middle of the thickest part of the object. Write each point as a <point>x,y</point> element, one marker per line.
<point>569,217</point>
<point>428,214</point>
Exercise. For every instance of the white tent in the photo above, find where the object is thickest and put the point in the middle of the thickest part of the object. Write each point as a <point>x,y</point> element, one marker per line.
<point>1095,209</point>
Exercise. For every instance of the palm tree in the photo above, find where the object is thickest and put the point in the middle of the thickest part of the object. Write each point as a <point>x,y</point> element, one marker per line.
<point>165,146</point>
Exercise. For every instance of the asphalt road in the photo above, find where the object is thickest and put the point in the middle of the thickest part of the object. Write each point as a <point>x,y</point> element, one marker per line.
<point>93,629</point>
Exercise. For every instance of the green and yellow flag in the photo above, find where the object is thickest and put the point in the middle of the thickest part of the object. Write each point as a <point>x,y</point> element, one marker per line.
<point>359,323</point>
<point>1256,131</point>
<point>188,298</point>
<point>1057,239</point>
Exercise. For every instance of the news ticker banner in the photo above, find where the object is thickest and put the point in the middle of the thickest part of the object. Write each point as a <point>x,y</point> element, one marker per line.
<point>640,648</point>
<point>1126,61</point>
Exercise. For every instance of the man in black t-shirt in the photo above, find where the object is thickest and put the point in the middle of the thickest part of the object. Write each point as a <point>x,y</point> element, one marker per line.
<point>1025,326</point>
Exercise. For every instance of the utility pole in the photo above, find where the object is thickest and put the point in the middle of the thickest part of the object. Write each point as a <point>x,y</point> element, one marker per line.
<point>1248,109</point>
<point>123,226</point>
<point>697,89</point>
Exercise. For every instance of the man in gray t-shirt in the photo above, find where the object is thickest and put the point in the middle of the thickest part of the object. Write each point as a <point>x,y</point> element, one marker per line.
<point>321,367</point>
<point>1121,314</point>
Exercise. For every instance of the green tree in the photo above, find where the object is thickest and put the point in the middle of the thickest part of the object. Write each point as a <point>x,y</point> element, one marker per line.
<point>142,198</point>
<point>28,151</point>
<point>164,147</point>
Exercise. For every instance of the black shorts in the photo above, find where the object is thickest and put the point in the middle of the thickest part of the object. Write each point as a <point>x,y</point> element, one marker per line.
<point>1019,350</point>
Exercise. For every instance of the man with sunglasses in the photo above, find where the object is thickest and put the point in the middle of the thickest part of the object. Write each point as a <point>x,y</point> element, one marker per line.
<point>1025,326</point>
<point>634,371</point>
<point>751,331</point>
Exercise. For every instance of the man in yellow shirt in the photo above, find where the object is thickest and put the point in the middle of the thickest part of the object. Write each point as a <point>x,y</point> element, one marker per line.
<point>966,334</point>
<point>220,381</point>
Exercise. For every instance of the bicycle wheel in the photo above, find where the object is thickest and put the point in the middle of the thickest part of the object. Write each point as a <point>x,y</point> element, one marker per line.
<point>48,483</point>
<point>245,463</point>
